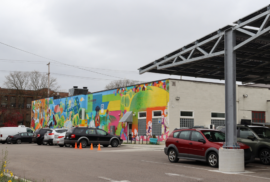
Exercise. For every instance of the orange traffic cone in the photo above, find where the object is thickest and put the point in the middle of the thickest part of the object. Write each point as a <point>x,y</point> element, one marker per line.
<point>98,147</point>
<point>80,146</point>
<point>76,145</point>
<point>91,147</point>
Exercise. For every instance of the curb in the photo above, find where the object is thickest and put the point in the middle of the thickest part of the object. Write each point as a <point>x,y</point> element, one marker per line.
<point>16,177</point>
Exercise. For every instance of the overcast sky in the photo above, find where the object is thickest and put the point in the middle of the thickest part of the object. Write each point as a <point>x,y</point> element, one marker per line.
<point>110,37</point>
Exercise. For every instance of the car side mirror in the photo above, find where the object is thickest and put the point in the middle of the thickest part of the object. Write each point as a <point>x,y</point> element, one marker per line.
<point>251,137</point>
<point>201,140</point>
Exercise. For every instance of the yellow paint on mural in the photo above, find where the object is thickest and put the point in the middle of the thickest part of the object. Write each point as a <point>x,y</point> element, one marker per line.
<point>160,97</point>
<point>114,105</point>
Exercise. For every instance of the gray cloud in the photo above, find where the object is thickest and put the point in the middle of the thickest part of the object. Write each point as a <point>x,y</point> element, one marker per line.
<point>115,35</point>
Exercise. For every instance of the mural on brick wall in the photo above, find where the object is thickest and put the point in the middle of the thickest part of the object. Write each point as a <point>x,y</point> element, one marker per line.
<point>105,109</point>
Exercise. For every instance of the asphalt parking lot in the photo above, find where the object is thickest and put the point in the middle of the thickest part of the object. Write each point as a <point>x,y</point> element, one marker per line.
<point>127,163</point>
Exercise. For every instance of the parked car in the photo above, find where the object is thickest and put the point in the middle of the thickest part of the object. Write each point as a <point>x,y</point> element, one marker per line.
<point>257,137</point>
<point>20,138</point>
<point>10,131</point>
<point>86,136</point>
<point>49,135</point>
<point>59,140</point>
<point>199,145</point>
<point>38,136</point>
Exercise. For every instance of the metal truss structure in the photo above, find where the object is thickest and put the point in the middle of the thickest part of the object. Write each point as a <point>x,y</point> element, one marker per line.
<point>205,57</point>
<point>234,53</point>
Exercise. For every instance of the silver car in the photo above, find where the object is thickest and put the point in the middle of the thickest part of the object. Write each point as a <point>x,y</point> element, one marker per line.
<point>59,140</point>
<point>54,133</point>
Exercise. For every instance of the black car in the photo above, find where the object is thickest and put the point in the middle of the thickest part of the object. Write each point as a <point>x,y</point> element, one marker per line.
<point>20,138</point>
<point>87,136</point>
<point>38,136</point>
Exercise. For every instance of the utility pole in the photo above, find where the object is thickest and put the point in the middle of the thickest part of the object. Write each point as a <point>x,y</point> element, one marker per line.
<point>48,79</point>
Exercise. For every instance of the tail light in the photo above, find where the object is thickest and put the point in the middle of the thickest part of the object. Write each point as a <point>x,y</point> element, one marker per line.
<point>1,135</point>
<point>73,136</point>
<point>51,133</point>
<point>61,137</point>
<point>10,136</point>
<point>38,135</point>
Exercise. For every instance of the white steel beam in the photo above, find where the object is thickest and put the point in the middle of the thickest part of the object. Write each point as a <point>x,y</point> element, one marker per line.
<point>191,53</point>
<point>251,20</point>
<point>264,23</point>
<point>251,38</point>
<point>245,31</point>
<point>216,44</point>
<point>182,52</point>
<point>202,51</point>
<point>191,60</point>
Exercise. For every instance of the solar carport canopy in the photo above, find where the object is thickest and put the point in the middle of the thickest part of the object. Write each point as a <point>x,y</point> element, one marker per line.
<point>205,57</point>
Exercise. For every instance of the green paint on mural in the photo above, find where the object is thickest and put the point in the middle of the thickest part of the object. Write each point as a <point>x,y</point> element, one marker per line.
<point>90,103</point>
<point>110,97</point>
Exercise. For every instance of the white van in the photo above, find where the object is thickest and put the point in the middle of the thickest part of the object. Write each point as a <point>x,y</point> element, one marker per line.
<point>6,131</point>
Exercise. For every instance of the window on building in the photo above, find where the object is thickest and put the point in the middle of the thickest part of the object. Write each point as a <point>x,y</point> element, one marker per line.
<point>186,122</point>
<point>217,115</point>
<point>258,116</point>
<point>157,114</point>
<point>13,101</point>
<point>142,115</point>
<point>21,102</point>
<point>186,113</point>
<point>4,101</point>
<point>28,102</point>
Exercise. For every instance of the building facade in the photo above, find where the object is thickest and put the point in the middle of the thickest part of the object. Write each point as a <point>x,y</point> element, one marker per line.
<point>14,101</point>
<point>153,108</point>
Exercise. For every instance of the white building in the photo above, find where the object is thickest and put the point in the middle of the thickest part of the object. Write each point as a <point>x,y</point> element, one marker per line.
<point>196,103</point>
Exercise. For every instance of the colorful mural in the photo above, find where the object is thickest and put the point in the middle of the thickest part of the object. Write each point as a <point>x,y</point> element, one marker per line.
<point>105,109</point>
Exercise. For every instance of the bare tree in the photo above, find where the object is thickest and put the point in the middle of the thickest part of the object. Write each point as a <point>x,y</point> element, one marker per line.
<point>39,82</point>
<point>17,80</point>
<point>120,83</point>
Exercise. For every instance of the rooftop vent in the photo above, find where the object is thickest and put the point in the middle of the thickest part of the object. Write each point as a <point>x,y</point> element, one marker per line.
<point>78,91</point>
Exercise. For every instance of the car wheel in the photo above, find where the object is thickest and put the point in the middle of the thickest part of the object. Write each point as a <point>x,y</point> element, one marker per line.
<point>212,159</point>
<point>3,142</point>
<point>105,145</point>
<point>114,143</point>
<point>67,145</point>
<point>172,156</point>
<point>51,143</point>
<point>265,156</point>
<point>61,145</point>
<point>18,141</point>
<point>84,143</point>
<point>39,143</point>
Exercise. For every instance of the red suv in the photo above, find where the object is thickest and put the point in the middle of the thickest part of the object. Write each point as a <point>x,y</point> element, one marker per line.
<point>199,145</point>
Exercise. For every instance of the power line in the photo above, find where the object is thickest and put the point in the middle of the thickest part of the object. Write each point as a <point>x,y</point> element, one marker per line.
<point>73,76</point>
<point>59,61</point>
<point>38,62</point>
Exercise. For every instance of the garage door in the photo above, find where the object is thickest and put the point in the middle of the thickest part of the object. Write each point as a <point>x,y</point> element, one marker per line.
<point>141,127</point>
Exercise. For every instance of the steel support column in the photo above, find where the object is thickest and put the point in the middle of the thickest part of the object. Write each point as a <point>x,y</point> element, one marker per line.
<point>230,90</point>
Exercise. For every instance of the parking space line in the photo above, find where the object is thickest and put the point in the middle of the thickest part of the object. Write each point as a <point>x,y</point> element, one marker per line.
<point>175,165</point>
<point>184,176</point>
<point>111,180</point>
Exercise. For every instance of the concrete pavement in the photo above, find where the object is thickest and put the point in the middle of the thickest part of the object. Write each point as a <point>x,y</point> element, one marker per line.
<point>133,163</point>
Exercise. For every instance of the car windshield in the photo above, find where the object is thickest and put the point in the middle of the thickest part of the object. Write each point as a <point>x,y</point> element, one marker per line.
<point>214,136</point>
<point>262,132</point>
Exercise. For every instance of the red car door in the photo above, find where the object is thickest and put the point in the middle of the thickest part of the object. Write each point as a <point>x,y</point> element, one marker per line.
<point>197,149</point>
<point>184,142</point>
